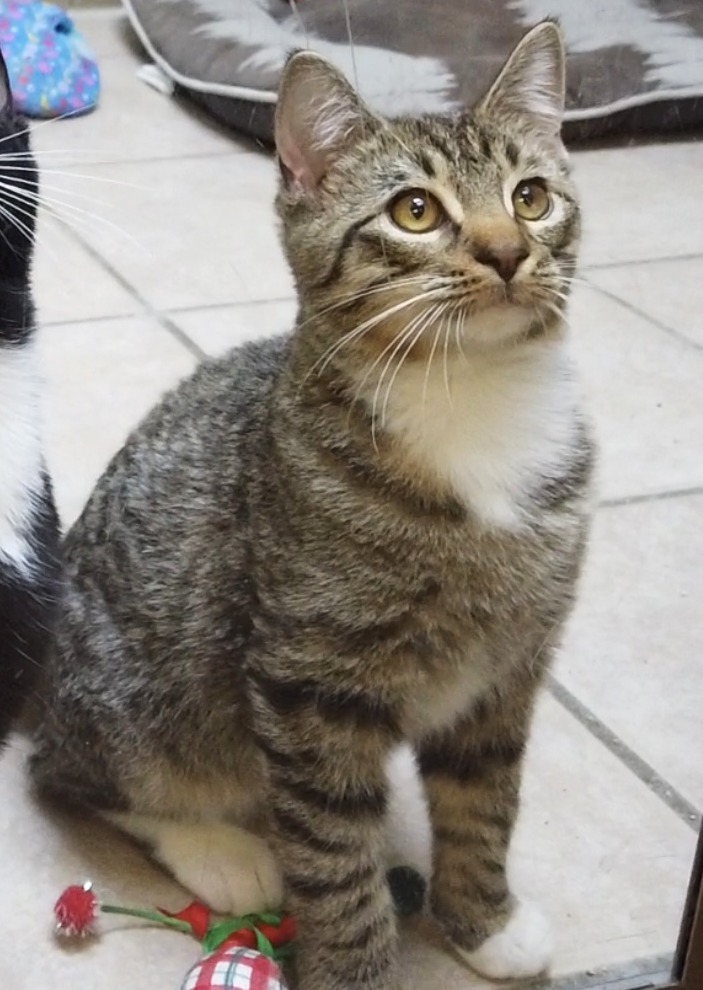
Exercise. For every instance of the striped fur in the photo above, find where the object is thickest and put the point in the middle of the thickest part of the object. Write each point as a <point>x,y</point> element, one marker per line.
<point>287,570</point>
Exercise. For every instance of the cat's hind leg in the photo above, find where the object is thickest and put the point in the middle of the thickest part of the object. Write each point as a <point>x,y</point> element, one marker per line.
<point>185,829</point>
<point>231,869</point>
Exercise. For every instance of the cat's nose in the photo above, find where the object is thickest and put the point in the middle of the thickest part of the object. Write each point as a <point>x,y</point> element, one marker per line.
<point>504,258</point>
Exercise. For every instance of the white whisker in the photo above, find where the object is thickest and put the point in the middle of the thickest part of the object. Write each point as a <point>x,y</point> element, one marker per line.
<point>432,313</point>
<point>459,325</point>
<point>18,224</point>
<point>557,312</point>
<point>76,214</point>
<point>369,324</point>
<point>71,175</point>
<point>407,329</point>
<point>429,364</point>
<point>34,127</point>
<point>445,366</point>
<point>398,341</point>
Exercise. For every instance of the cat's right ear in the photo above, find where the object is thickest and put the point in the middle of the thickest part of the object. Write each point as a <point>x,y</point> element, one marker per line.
<point>532,81</point>
<point>318,116</point>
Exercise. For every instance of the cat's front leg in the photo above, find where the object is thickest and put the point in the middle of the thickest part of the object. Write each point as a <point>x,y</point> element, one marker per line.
<point>472,778</point>
<point>327,802</point>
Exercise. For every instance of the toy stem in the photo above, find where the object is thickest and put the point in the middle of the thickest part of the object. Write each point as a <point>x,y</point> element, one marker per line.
<point>162,919</point>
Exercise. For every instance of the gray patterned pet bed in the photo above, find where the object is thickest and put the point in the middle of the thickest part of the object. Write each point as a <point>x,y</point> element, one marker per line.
<point>633,65</point>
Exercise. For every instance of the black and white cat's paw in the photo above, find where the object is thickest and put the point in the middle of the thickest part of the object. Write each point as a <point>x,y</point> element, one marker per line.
<point>233,871</point>
<point>523,948</point>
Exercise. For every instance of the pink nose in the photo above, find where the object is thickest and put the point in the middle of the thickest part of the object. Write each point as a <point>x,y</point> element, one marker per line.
<point>504,258</point>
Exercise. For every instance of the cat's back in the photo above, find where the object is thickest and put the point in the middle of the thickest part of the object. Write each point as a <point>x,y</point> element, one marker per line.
<point>195,438</point>
<point>167,519</point>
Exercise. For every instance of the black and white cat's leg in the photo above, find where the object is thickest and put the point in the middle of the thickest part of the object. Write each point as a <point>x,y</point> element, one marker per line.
<point>472,778</point>
<point>28,531</point>
<point>328,794</point>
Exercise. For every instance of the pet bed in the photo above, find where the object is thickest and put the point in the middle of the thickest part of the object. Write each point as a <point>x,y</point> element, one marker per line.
<point>633,66</point>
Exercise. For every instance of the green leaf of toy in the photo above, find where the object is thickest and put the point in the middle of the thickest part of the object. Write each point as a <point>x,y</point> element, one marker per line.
<point>218,932</point>
<point>263,945</point>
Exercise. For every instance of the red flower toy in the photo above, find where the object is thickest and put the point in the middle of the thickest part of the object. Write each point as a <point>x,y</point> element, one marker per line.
<point>241,953</point>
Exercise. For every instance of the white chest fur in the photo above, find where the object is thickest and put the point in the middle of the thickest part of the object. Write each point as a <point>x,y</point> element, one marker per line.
<point>20,451</point>
<point>489,423</point>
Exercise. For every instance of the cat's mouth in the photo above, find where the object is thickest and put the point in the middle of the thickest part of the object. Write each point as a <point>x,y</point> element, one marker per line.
<point>501,294</point>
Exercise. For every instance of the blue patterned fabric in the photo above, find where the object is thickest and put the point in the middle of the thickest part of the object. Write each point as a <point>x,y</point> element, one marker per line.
<point>52,71</point>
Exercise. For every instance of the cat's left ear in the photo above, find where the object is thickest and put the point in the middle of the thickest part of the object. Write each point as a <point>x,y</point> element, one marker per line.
<point>318,117</point>
<point>532,81</point>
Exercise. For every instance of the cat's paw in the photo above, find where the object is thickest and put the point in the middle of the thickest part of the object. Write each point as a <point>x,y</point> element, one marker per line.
<point>523,948</point>
<point>233,871</point>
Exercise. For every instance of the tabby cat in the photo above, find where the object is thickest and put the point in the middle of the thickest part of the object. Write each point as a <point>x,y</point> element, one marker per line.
<point>362,533</point>
<point>28,523</point>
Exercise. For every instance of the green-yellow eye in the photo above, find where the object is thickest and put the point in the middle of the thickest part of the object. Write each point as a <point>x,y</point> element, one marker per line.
<point>531,201</point>
<point>416,211</point>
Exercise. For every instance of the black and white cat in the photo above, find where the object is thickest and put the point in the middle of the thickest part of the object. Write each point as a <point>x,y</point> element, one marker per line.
<point>29,568</point>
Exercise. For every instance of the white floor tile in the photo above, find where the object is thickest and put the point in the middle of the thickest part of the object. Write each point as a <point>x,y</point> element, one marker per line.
<point>641,202</point>
<point>45,852</point>
<point>612,882</point>
<point>69,284</point>
<point>633,649</point>
<point>132,122</point>
<point>643,387</point>
<point>106,30</point>
<point>194,231</point>
<point>602,856</point>
<point>218,329</point>
<point>102,378</point>
<point>669,291</point>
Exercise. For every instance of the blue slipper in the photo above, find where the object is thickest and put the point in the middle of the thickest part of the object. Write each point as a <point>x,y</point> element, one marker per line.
<point>52,72</point>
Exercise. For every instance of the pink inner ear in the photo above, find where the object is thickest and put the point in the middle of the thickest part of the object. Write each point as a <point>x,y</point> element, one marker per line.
<point>305,168</point>
<point>298,168</point>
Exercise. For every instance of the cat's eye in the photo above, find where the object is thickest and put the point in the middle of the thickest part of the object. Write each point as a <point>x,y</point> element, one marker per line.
<point>416,211</point>
<point>531,201</point>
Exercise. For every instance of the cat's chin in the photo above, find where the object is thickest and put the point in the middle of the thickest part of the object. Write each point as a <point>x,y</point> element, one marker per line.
<point>498,324</point>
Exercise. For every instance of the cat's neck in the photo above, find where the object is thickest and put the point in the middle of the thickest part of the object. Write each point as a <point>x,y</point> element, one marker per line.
<point>488,424</point>
<point>483,424</point>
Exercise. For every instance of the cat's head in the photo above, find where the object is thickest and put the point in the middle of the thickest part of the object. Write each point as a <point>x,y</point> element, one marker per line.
<point>471,219</point>
<point>18,185</point>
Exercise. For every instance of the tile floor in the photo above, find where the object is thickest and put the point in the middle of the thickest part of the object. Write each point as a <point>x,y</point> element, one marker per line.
<point>167,252</point>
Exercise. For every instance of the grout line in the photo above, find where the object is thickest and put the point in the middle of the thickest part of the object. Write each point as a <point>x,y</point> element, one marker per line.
<point>167,313</point>
<point>234,152</point>
<point>164,320</point>
<point>106,318</point>
<point>642,770</point>
<point>681,337</point>
<point>231,305</point>
<point>146,308</point>
<point>603,266</point>
<point>613,503</point>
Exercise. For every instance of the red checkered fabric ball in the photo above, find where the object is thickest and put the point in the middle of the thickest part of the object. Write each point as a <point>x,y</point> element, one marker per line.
<point>235,969</point>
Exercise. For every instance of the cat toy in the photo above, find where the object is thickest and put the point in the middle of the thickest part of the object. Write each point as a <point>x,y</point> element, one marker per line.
<point>240,953</point>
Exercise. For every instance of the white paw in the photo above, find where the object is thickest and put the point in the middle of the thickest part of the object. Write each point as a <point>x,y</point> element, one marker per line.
<point>233,871</point>
<point>523,948</point>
